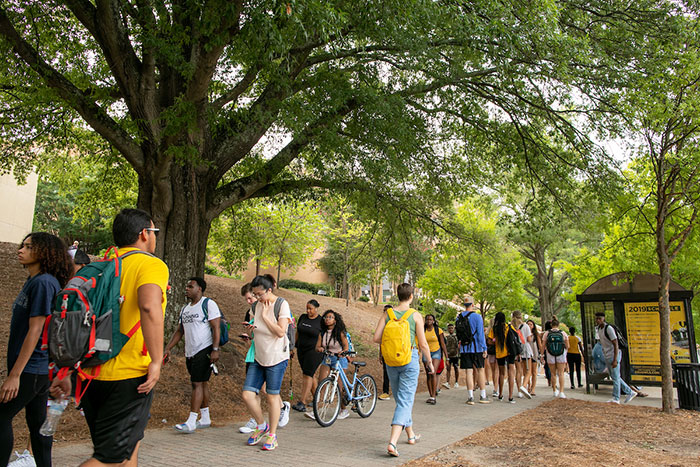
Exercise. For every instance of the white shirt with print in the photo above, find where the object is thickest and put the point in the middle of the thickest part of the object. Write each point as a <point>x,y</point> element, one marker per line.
<point>197,329</point>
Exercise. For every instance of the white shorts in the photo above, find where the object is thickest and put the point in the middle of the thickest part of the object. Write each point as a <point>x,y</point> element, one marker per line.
<point>551,359</point>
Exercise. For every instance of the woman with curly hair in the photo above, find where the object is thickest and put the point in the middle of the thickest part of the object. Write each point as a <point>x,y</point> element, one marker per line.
<point>46,259</point>
<point>333,339</point>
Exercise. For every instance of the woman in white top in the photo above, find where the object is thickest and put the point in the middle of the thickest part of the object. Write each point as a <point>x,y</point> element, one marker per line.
<point>522,364</point>
<point>270,364</point>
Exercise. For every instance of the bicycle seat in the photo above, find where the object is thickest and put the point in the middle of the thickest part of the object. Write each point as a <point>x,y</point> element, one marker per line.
<point>359,363</point>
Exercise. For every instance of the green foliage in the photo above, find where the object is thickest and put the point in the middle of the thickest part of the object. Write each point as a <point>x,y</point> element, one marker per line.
<point>363,298</point>
<point>307,286</point>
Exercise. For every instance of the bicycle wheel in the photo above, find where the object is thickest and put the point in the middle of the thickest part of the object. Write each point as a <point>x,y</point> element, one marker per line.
<point>326,402</point>
<point>366,395</point>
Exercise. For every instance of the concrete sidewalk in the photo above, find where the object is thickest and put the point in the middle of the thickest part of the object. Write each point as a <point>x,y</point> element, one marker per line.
<point>351,441</point>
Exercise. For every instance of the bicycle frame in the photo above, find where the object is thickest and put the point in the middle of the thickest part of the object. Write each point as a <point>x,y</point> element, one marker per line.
<point>348,388</point>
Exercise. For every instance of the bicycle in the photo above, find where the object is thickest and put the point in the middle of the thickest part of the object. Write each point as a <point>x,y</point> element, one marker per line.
<point>362,393</point>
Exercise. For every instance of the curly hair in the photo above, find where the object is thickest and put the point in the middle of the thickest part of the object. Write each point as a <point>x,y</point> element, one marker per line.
<point>338,330</point>
<point>52,255</point>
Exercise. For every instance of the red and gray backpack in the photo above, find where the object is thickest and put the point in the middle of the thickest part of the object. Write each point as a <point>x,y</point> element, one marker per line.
<point>83,329</point>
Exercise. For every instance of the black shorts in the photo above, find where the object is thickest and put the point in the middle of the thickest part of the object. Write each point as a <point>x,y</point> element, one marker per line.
<point>510,359</point>
<point>117,415</point>
<point>470,360</point>
<point>309,361</point>
<point>454,361</point>
<point>199,366</point>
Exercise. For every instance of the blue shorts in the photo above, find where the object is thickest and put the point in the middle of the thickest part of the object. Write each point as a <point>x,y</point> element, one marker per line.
<point>437,355</point>
<point>270,375</point>
<point>329,360</point>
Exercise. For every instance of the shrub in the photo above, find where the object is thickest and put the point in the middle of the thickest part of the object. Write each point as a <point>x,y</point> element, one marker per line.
<point>363,298</point>
<point>313,288</point>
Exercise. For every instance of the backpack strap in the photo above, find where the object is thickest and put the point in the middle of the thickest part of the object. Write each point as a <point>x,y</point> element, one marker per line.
<point>405,316</point>
<point>205,309</point>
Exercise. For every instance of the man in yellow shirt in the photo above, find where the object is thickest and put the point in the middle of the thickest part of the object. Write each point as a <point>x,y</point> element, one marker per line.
<point>118,401</point>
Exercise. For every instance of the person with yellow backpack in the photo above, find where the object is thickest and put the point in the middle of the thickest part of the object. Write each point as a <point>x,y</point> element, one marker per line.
<point>400,332</point>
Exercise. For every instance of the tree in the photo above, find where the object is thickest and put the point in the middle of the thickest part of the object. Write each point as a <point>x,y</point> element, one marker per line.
<point>485,266</point>
<point>216,102</point>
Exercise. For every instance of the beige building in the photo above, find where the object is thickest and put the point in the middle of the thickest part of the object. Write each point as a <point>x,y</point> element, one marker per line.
<point>16,207</point>
<point>308,273</point>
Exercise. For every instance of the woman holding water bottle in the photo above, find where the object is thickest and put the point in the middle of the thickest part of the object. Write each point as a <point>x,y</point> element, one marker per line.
<point>46,259</point>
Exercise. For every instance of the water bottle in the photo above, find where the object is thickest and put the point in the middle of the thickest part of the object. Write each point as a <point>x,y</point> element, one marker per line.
<point>53,415</point>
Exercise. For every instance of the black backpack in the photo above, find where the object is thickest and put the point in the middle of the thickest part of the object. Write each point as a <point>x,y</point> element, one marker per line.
<point>513,343</point>
<point>464,329</point>
<point>621,341</point>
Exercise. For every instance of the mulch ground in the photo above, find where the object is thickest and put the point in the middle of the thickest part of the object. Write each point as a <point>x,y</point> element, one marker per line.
<point>573,432</point>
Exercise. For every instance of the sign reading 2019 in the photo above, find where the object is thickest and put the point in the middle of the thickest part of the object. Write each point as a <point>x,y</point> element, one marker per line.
<point>644,342</point>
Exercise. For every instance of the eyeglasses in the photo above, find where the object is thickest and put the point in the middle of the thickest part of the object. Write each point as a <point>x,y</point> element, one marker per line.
<point>329,317</point>
<point>153,229</point>
<point>259,295</point>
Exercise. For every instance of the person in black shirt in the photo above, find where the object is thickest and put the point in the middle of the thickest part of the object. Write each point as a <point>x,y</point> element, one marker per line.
<point>308,329</point>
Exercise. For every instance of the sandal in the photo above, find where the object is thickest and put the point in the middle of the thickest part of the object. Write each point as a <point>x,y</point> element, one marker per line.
<point>413,439</point>
<point>392,451</point>
<point>299,406</point>
<point>431,400</point>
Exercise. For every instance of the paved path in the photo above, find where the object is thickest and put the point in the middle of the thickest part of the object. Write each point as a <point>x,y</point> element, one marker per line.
<point>353,441</point>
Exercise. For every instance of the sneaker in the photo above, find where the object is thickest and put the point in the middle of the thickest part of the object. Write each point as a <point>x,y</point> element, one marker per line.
<point>249,427</point>
<point>284,414</point>
<point>556,393</point>
<point>270,443</point>
<point>630,396</point>
<point>525,392</point>
<point>203,425</point>
<point>446,385</point>
<point>511,401</point>
<point>495,394</point>
<point>470,401</point>
<point>500,398</point>
<point>384,396</point>
<point>484,400</point>
<point>562,395</point>
<point>23,460</point>
<point>343,414</point>
<point>456,385</point>
<point>310,414</point>
<point>184,428</point>
<point>520,395</point>
<point>258,434</point>
<point>614,401</point>
<point>572,387</point>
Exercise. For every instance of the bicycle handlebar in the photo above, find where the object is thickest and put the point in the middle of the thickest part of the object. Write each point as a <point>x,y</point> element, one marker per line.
<point>349,353</point>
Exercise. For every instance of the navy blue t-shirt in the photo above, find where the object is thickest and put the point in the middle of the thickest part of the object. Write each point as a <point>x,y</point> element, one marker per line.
<point>35,299</point>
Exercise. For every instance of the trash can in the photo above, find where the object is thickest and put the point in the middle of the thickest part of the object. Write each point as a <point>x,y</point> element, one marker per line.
<point>687,376</point>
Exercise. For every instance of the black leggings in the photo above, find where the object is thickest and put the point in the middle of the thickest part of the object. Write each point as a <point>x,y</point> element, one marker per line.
<point>385,380</point>
<point>574,359</point>
<point>32,396</point>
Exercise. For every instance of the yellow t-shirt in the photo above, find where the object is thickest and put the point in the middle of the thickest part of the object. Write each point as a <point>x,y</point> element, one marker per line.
<point>501,351</point>
<point>573,345</point>
<point>137,270</point>
<point>433,342</point>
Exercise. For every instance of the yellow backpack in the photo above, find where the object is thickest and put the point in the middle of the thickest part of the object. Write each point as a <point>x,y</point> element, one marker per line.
<point>396,339</point>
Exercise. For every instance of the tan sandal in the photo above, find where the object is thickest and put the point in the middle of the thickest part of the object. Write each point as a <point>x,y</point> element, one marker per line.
<point>392,451</point>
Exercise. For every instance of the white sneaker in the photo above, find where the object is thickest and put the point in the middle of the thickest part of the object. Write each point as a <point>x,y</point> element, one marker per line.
<point>284,414</point>
<point>343,414</point>
<point>630,396</point>
<point>613,401</point>
<point>562,395</point>
<point>526,392</point>
<point>520,395</point>
<point>23,460</point>
<point>556,393</point>
<point>446,385</point>
<point>456,384</point>
<point>249,427</point>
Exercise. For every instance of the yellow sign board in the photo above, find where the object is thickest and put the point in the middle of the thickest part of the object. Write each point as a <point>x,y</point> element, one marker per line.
<point>644,342</point>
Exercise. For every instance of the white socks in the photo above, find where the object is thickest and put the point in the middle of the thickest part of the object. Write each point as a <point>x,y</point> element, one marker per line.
<point>483,393</point>
<point>471,392</point>
<point>192,421</point>
<point>204,419</point>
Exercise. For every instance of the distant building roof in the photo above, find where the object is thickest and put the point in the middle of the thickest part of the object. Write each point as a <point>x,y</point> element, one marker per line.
<point>620,283</point>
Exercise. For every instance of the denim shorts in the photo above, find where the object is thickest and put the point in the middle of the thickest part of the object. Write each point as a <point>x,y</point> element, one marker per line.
<point>329,360</point>
<point>437,355</point>
<point>271,375</point>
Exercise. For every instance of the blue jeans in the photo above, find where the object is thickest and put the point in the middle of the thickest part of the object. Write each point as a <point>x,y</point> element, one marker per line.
<point>618,383</point>
<point>258,374</point>
<point>404,381</point>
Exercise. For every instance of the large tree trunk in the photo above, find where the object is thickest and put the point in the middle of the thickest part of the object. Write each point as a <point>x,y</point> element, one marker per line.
<point>543,284</point>
<point>184,229</point>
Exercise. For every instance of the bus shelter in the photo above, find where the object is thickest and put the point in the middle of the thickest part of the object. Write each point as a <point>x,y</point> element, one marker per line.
<point>632,304</point>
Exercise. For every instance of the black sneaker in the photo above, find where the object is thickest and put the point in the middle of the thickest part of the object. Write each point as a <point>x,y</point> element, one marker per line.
<point>470,401</point>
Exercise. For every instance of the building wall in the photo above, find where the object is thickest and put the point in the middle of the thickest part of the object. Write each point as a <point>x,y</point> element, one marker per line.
<point>16,207</point>
<point>308,273</point>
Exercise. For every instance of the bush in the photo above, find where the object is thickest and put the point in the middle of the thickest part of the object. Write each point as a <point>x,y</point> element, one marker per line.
<point>363,298</point>
<point>313,288</point>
